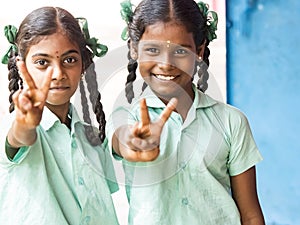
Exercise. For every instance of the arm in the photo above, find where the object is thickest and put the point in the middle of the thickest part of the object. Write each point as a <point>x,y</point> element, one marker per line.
<point>19,135</point>
<point>29,106</point>
<point>140,142</point>
<point>245,195</point>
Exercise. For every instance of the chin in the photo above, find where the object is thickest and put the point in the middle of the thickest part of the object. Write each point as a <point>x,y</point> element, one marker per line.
<point>165,93</point>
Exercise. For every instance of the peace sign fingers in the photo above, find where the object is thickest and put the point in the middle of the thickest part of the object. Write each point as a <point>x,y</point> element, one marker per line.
<point>143,138</point>
<point>37,95</point>
<point>145,118</point>
<point>164,116</point>
<point>47,81</point>
<point>28,79</point>
<point>143,129</point>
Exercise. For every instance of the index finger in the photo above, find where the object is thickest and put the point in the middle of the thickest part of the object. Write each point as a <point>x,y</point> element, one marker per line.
<point>28,79</point>
<point>39,98</point>
<point>145,118</point>
<point>47,81</point>
<point>164,116</point>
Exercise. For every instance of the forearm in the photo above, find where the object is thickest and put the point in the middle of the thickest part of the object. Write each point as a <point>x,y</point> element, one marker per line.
<point>115,145</point>
<point>245,195</point>
<point>117,138</point>
<point>20,135</point>
<point>256,220</point>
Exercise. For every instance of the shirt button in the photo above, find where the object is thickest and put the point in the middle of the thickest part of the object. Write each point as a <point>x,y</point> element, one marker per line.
<point>182,165</point>
<point>185,201</point>
<point>80,181</point>
<point>86,220</point>
<point>74,145</point>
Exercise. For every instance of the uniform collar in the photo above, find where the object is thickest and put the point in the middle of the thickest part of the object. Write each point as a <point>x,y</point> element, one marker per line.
<point>201,100</point>
<point>49,118</point>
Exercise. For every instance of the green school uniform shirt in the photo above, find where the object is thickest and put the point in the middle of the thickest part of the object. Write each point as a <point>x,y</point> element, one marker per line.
<point>189,182</point>
<point>60,180</point>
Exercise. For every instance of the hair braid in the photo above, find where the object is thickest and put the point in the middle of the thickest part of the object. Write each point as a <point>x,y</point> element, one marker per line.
<point>203,74</point>
<point>15,81</point>
<point>89,132</point>
<point>131,67</point>
<point>95,99</point>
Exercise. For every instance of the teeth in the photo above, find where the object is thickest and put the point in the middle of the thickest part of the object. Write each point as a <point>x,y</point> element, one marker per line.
<point>162,77</point>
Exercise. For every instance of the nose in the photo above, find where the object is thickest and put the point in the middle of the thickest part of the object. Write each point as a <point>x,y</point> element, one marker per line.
<point>58,73</point>
<point>165,61</point>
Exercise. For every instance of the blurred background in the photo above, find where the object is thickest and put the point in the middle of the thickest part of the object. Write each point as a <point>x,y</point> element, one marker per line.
<point>253,66</point>
<point>263,80</point>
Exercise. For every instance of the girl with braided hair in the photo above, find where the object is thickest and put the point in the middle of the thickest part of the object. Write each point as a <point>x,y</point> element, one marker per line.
<point>54,168</point>
<point>188,159</point>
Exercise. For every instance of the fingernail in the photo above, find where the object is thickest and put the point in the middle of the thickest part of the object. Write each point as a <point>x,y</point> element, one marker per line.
<point>173,102</point>
<point>36,104</point>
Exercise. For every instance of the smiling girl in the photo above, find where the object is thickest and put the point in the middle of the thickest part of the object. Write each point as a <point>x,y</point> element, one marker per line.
<point>188,158</point>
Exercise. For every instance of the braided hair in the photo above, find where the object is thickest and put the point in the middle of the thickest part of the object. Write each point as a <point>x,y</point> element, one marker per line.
<point>185,12</point>
<point>46,21</point>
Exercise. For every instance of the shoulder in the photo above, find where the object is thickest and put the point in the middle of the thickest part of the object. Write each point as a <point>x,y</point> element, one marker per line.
<point>225,111</point>
<point>231,112</point>
<point>208,103</point>
<point>228,117</point>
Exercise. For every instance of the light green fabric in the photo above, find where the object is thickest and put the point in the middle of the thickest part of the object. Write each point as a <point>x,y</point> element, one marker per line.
<point>61,179</point>
<point>189,183</point>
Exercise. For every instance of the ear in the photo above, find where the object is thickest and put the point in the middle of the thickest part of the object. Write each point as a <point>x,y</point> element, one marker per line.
<point>133,51</point>
<point>201,49</point>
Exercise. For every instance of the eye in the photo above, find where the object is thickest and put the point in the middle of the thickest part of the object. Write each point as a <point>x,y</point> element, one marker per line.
<point>41,63</point>
<point>181,52</point>
<point>70,60</point>
<point>152,51</point>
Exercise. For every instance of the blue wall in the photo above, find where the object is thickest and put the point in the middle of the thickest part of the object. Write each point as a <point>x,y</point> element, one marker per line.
<point>263,69</point>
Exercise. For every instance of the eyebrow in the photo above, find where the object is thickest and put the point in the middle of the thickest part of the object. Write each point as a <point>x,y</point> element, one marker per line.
<point>186,46</point>
<point>151,45</point>
<point>47,55</point>
<point>159,43</point>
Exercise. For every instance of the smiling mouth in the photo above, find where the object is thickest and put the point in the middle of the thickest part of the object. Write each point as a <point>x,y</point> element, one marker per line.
<point>164,77</point>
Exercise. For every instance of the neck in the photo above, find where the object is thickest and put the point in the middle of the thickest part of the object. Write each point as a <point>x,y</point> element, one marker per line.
<point>185,101</point>
<point>184,105</point>
<point>61,111</point>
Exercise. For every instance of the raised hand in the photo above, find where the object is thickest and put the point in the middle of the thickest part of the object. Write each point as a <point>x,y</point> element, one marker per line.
<point>141,143</point>
<point>29,102</point>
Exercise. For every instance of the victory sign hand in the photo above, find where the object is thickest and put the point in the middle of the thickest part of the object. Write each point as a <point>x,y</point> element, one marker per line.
<point>29,102</point>
<point>144,137</point>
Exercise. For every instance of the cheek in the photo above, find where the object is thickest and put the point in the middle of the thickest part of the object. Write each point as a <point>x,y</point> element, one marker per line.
<point>187,66</point>
<point>145,68</point>
<point>75,78</point>
<point>78,79</point>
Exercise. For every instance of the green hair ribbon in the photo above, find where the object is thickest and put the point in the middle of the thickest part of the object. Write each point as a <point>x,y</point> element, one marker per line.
<point>212,20</point>
<point>97,48</point>
<point>10,33</point>
<point>126,13</point>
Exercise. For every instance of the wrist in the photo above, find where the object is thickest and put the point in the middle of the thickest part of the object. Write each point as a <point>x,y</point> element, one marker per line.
<point>19,135</point>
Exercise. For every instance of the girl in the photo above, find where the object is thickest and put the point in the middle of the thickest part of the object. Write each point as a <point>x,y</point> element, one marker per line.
<point>188,158</point>
<point>54,168</point>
